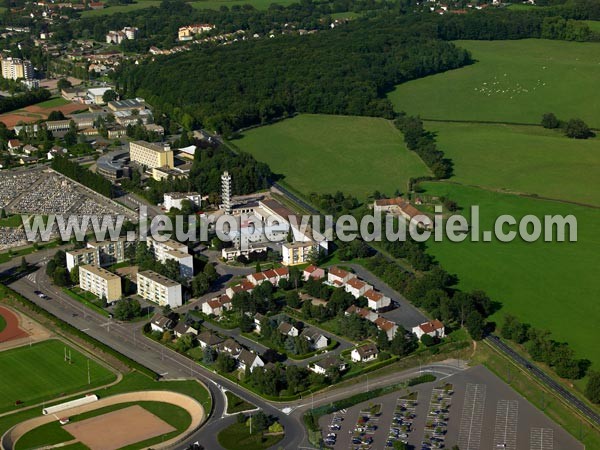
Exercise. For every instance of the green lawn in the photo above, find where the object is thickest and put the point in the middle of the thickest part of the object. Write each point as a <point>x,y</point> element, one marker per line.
<point>237,436</point>
<point>53,102</point>
<point>120,8</point>
<point>37,373</point>
<point>527,159</point>
<point>13,221</point>
<point>512,81</point>
<point>53,433</point>
<point>236,404</point>
<point>553,286</point>
<point>319,153</point>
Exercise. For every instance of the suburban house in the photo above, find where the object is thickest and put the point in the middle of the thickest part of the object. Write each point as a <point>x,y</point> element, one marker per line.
<point>434,328</point>
<point>313,272</point>
<point>244,286</point>
<point>258,318</point>
<point>387,326</point>
<point>249,360</point>
<point>161,323</point>
<point>338,276</point>
<point>357,287</point>
<point>364,313</point>
<point>364,353</point>
<point>183,328</point>
<point>209,339</point>
<point>217,306</point>
<point>230,346</point>
<point>321,367</point>
<point>316,339</point>
<point>287,329</point>
<point>402,208</point>
<point>257,278</point>
<point>376,300</point>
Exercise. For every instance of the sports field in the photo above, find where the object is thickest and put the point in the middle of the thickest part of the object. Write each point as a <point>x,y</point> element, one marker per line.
<point>525,159</point>
<point>319,153</point>
<point>32,374</point>
<point>53,102</point>
<point>551,285</point>
<point>512,81</point>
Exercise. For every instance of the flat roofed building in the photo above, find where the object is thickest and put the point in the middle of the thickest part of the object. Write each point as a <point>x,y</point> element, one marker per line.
<point>100,282</point>
<point>170,249</point>
<point>175,199</point>
<point>154,287</point>
<point>81,257</point>
<point>151,155</point>
<point>100,253</point>
<point>298,252</point>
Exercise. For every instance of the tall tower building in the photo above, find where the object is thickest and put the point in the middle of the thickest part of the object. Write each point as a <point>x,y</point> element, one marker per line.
<point>226,191</point>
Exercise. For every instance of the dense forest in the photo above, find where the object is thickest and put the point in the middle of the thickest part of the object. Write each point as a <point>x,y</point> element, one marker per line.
<point>344,71</point>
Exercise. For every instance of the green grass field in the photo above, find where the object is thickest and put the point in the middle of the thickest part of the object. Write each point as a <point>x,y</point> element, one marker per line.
<point>37,373</point>
<point>550,285</point>
<point>527,159</point>
<point>53,433</point>
<point>237,436</point>
<point>319,153</point>
<point>236,404</point>
<point>201,4</point>
<point>53,102</point>
<point>512,81</point>
<point>13,221</point>
<point>593,24</point>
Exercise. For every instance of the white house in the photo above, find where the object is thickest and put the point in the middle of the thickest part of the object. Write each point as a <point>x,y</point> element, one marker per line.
<point>390,328</point>
<point>434,328</point>
<point>321,367</point>
<point>175,199</point>
<point>160,323</point>
<point>217,306</point>
<point>316,339</point>
<point>313,272</point>
<point>183,328</point>
<point>249,360</point>
<point>287,329</point>
<point>364,353</point>
<point>339,277</point>
<point>209,339</point>
<point>376,300</point>
<point>244,286</point>
<point>357,287</point>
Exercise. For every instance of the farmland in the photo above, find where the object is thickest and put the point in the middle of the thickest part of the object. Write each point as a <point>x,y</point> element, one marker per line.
<point>319,153</point>
<point>511,81</point>
<point>528,278</point>
<point>39,373</point>
<point>526,159</point>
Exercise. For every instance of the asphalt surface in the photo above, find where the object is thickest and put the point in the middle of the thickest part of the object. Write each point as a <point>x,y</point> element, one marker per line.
<point>544,378</point>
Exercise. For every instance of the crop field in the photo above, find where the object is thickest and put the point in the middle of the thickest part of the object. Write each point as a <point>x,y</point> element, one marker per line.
<point>319,153</point>
<point>550,285</point>
<point>513,82</point>
<point>37,373</point>
<point>524,159</point>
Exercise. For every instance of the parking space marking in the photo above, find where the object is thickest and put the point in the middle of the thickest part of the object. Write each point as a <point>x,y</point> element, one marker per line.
<point>505,430</point>
<point>471,420</point>
<point>541,439</point>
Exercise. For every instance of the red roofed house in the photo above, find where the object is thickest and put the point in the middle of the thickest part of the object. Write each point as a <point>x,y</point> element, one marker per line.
<point>388,326</point>
<point>14,144</point>
<point>376,300</point>
<point>244,286</point>
<point>339,276</point>
<point>357,287</point>
<point>313,272</point>
<point>400,207</point>
<point>435,328</point>
<point>256,278</point>
<point>216,306</point>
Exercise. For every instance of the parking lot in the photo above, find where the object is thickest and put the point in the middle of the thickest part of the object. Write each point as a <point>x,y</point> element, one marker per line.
<point>473,409</point>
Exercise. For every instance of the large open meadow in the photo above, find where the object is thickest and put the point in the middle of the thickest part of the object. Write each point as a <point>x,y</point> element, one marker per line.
<point>36,373</point>
<point>525,159</point>
<point>319,153</point>
<point>511,81</point>
<point>551,285</point>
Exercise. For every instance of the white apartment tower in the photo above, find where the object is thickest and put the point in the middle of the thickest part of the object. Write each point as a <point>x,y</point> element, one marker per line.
<point>226,191</point>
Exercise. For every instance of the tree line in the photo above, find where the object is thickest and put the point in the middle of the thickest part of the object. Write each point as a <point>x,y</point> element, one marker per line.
<point>25,99</point>
<point>83,175</point>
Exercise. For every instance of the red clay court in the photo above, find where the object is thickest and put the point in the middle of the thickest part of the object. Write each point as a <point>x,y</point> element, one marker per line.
<point>12,330</point>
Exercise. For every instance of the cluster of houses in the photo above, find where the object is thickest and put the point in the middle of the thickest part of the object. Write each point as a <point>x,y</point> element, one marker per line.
<point>340,278</point>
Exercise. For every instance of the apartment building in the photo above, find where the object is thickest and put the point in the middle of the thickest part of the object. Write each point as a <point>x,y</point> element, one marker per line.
<point>297,252</point>
<point>101,253</point>
<point>170,249</point>
<point>158,289</point>
<point>175,199</point>
<point>151,155</point>
<point>15,68</point>
<point>100,282</point>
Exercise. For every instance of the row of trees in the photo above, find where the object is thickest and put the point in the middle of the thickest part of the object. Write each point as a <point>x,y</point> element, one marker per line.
<point>573,128</point>
<point>542,348</point>
<point>83,175</point>
<point>25,99</point>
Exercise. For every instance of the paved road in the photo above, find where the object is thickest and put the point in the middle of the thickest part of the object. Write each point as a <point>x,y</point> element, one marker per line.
<point>567,396</point>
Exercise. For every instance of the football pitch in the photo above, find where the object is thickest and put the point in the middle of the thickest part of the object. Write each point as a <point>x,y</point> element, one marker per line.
<point>38,373</point>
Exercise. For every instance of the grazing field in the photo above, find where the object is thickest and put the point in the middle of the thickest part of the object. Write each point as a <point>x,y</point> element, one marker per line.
<point>526,159</point>
<point>319,153</point>
<point>32,374</point>
<point>512,81</point>
<point>550,285</point>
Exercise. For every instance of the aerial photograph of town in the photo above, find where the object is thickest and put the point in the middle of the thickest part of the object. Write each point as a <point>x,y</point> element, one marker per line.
<point>300,224</point>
